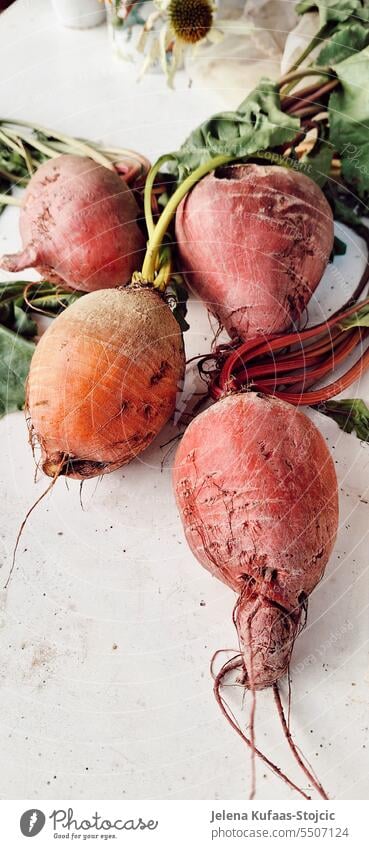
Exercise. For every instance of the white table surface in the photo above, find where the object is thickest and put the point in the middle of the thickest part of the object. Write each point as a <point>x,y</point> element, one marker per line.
<point>109,624</point>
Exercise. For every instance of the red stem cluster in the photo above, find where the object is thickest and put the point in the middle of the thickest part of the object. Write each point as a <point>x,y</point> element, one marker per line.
<point>287,364</point>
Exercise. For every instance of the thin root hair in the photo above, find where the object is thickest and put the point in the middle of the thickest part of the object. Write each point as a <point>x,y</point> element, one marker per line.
<point>226,711</point>
<point>25,520</point>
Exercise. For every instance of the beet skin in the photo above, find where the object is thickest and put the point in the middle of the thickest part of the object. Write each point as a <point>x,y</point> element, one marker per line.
<point>257,493</point>
<point>79,227</point>
<point>253,242</point>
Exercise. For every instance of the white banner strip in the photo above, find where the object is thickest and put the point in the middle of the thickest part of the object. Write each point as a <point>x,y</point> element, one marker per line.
<point>183,825</point>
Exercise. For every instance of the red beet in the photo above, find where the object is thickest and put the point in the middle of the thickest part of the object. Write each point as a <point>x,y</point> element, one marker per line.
<point>254,241</point>
<point>257,494</point>
<point>79,226</point>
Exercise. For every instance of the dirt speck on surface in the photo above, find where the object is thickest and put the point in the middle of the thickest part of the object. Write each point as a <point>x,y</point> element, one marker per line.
<point>42,655</point>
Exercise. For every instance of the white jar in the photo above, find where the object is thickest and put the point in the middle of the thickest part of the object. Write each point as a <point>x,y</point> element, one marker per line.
<point>79,14</point>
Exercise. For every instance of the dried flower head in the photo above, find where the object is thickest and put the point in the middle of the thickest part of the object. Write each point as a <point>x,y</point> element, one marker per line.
<point>191,20</point>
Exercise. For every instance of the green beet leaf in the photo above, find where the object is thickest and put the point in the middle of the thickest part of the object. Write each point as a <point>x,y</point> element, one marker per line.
<point>349,120</point>
<point>318,160</point>
<point>349,38</point>
<point>351,414</point>
<point>335,11</point>
<point>15,357</point>
<point>258,124</point>
<point>17,319</point>
<point>357,319</point>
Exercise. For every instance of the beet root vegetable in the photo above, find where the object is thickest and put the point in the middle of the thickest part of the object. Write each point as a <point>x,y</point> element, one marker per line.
<point>78,224</point>
<point>253,242</point>
<point>257,494</point>
<point>103,381</point>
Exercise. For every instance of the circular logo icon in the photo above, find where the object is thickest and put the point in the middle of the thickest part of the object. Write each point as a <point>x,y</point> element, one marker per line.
<point>32,822</point>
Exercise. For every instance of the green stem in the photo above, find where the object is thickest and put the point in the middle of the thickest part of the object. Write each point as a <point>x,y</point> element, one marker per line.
<point>75,144</point>
<point>148,268</point>
<point>13,178</point>
<point>313,71</point>
<point>119,153</point>
<point>33,142</point>
<point>148,190</point>
<point>9,200</point>
<point>322,33</point>
<point>10,143</point>
<point>59,147</point>
<point>27,158</point>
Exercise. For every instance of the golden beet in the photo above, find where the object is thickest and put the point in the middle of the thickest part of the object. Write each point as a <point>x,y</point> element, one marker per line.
<point>103,381</point>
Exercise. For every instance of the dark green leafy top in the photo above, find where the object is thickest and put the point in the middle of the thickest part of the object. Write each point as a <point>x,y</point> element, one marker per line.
<point>257,124</point>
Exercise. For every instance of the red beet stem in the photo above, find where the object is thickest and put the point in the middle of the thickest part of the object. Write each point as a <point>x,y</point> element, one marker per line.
<point>307,364</point>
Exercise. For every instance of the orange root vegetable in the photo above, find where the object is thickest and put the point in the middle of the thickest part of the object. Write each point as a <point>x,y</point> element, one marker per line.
<point>103,381</point>
<point>78,224</point>
<point>253,242</point>
<point>257,493</point>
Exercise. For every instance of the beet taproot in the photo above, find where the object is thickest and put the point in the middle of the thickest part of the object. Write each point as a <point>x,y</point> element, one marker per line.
<point>79,226</point>
<point>253,243</point>
<point>257,494</point>
<point>256,490</point>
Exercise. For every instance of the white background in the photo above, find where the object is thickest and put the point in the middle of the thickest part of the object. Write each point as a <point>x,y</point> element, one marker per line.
<point>109,624</point>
